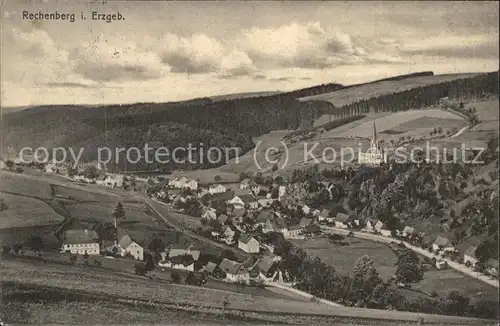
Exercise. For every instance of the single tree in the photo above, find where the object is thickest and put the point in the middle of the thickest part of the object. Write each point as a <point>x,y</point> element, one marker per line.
<point>150,264</point>
<point>118,214</point>
<point>176,278</point>
<point>217,178</point>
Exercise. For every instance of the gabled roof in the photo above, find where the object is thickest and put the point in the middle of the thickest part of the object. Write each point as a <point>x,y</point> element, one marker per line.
<point>222,218</point>
<point>248,198</point>
<point>230,267</point>
<point>216,185</point>
<point>210,267</point>
<point>264,264</point>
<point>80,236</point>
<point>239,212</point>
<point>185,260</point>
<point>223,196</point>
<point>245,238</point>
<point>226,228</point>
<point>182,252</point>
<point>440,241</point>
<point>125,241</point>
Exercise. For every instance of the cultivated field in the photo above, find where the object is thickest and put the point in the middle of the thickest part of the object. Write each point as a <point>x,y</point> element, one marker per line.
<point>26,212</point>
<point>86,195</point>
<point>486,110</point>
<point>405,121</point>
<point>342,258</point>
<point>350,95</point>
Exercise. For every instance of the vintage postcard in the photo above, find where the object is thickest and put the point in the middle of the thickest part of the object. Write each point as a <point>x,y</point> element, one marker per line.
<point>249,162</point>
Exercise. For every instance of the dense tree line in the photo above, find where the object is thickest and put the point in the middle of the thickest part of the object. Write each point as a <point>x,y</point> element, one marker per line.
<point>416,98</point>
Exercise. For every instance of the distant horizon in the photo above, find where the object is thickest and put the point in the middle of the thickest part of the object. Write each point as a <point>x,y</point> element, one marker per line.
<point>220,95</point>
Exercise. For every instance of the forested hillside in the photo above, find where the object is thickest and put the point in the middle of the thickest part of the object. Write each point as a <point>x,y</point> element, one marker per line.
<point>229,123</point>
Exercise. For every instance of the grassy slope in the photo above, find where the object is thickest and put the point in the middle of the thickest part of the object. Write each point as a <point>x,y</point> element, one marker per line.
<point>342,258</point>
<point>95,281</point>
<point>349,95</point>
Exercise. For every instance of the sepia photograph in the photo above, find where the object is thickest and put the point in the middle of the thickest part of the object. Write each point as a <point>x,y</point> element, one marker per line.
<point>249,162</point>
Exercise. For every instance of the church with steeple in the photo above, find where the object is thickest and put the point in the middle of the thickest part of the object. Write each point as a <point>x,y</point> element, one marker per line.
<point>374,155</point>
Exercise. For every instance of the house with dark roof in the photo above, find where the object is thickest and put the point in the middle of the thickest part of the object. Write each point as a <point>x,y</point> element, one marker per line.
<point>209,267</point>
<point>442,243</point>
<point>312,229</point>
<point>222,218</point>
<point>263,267</point>
<point>235,272</point>
<point>470,256</point>
<point>81,242</point>
<point>247,243</point>
<point>180,258</point>
<point>270,221</point>
<point>222,197</point>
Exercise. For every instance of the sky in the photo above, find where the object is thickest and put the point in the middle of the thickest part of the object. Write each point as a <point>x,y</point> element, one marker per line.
<point>168,51</point>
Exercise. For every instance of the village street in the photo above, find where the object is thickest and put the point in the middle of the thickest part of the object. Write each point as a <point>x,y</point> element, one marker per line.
<point>459,267</point>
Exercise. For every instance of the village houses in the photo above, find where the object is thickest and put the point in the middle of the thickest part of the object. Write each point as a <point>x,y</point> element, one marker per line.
<point>324,215</point>
<point>228,233</point>
<point>248,243</point>
<point>263,268</point>
<point>250,185</point>
<point>409,231</point>
<point>244,201</point>
<point>306,209</point>
<point>382,229</point>
<point>81,242</point>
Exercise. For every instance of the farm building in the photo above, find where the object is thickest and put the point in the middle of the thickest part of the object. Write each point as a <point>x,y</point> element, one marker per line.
<point>127,246</point>
<point>409,231</point>
<point>81,242</point>
<point>235,272</point>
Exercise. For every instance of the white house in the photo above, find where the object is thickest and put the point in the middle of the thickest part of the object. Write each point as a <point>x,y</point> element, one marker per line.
<point>248,243</point>
<point>248,184</point>
<point>306,209</point>
<point>292,232</point>
<point>114,180</point>
<point>382,229</point>
<point>342,220</point>
<point>180,258</point>
<point>227,232</point>
<point>209,213</point>
<point>241,201</point>
<point>126,245</point>
<point>441,264</point>
<point>470,256</point>
<point>81,242</point>
<point>281,192</point>
<point>216,189</point>
<point>191,184</point>
<point>235,272</point>
<point>178,183</point>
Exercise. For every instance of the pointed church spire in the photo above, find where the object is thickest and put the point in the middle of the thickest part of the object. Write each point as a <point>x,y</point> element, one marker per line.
<point>374,136</point>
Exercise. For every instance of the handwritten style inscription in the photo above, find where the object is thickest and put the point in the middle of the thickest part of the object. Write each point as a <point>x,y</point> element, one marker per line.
<point>71,17</point>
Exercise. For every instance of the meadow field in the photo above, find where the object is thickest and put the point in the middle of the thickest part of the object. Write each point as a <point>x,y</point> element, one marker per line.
<point>347,96</point>
<point>27,212</point>
<point>342,258</point>
<point>445,281</point>
<point>24,184</point>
